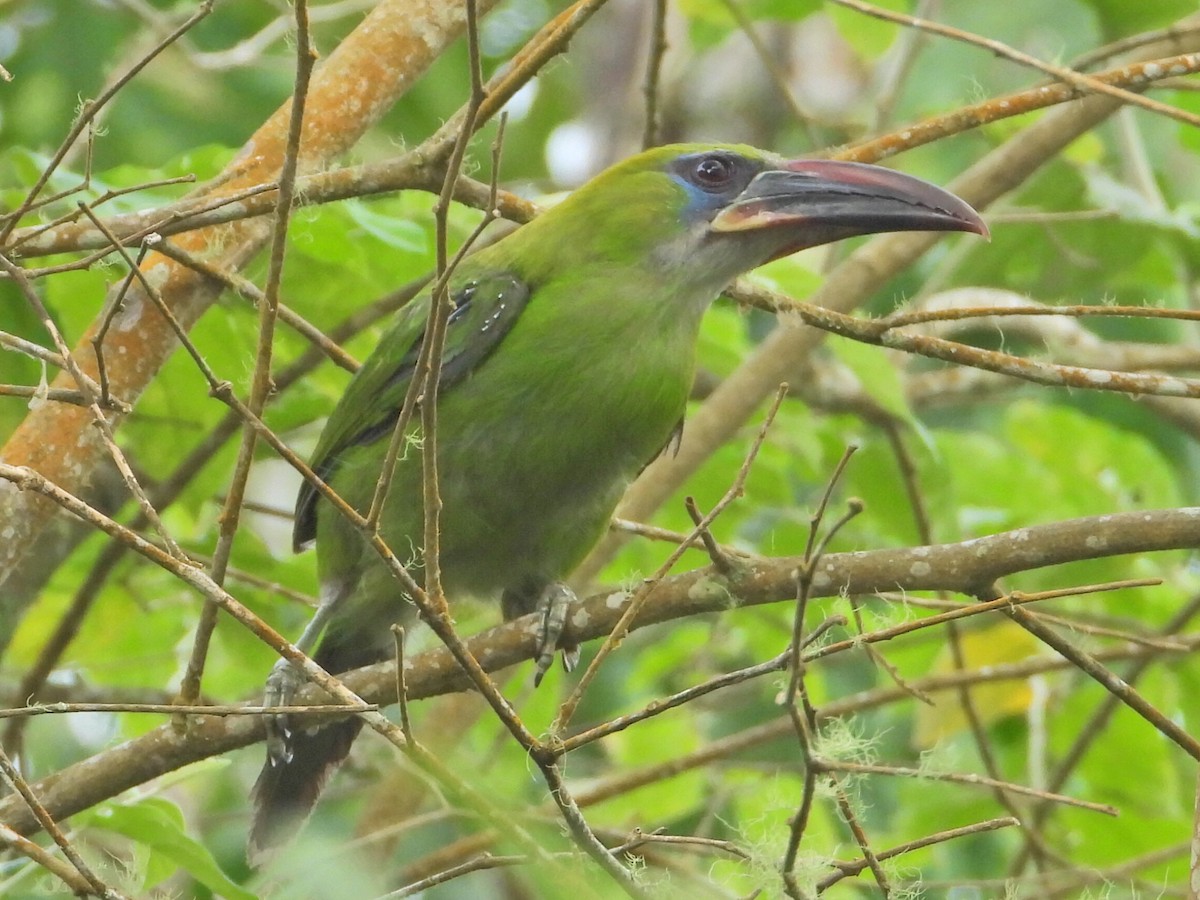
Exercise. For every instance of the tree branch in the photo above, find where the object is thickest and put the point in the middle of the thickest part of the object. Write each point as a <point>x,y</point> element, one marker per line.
<point>962,567</point>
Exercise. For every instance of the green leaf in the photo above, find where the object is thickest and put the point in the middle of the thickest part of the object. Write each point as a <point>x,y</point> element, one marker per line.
<point>876,373</point>
<point>717,12</point>
<point>712,21</point>
<point>1121,17</point>
<point>402,234</point>
<point>158,824</point>
<point>870,37</point>
<point>1095,466</point>
<point>1133,205</point>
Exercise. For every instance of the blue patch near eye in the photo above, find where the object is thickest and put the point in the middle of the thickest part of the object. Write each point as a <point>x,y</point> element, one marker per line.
<point>701,204</point>
<point>712,179</point>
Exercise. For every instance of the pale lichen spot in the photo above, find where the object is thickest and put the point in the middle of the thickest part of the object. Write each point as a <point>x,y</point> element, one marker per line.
<point>1153,70</point>
<point>706,590</point>
<point>435,26</point>
<point>821,580</point>
<point>616,600</point>
<point>1095,542</point>
<point>352,100</point>
<point>157,275</point>
<point>130,313</point>
<point>1173,387</point>
<point>1099,376</point>
<point>245,152</point>
<point>919,569</point>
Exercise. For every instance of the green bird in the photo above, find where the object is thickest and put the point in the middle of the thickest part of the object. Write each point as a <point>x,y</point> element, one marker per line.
<point>568,360</point>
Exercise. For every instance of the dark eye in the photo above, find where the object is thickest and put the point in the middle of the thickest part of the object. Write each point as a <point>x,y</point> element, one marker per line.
<point>713,173</point>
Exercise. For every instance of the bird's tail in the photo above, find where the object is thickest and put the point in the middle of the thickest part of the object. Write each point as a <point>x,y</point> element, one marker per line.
<point>287,789</point>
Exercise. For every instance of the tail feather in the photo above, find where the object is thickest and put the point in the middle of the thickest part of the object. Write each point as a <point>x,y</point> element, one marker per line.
<point>287,790</point>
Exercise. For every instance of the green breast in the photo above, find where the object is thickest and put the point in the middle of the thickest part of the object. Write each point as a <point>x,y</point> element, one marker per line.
<point>537,442</point>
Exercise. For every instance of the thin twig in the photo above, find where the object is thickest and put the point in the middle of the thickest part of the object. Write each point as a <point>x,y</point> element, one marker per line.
<point>73,215</point>
<point>650,88</point>
<point>261,386</point>
<point>851,868</point>
<point>244,287</point>
<point>27,479</point>
<point>716,556</point>
<point>197,709</point>
<point>415,170</point>
<point>83,384</point>
<point>1115,685</point>
<point>401,687</point>
<point>1099,719</point>
<point>854,768</point>
<point>1076,79</point>
<point>584,837</point>
<point>960,611</point>
<point>657,707</point>
<point>800,712</point>
<point>61,395</point>
<point>92,108</point>
<point>18,783</point>
<point>39,855</point>
<point>169,489</point>
<point>880,332</point>
<point>480,863</point>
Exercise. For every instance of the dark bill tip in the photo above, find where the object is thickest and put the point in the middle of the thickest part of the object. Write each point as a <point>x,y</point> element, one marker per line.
<point>823,200</point>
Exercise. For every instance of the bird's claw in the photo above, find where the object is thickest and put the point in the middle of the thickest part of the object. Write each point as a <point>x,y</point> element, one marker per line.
<point>552,606</point>
<point>281,687</point>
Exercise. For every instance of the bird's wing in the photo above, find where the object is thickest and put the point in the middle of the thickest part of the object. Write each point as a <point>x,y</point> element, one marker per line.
<point>485,309</point>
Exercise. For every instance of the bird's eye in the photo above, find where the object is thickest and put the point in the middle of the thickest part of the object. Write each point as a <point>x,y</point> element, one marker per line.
<point>713,173</point>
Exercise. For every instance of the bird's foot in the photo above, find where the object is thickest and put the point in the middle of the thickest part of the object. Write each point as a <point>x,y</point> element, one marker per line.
<point>282,684</point>
<point>552,606</point>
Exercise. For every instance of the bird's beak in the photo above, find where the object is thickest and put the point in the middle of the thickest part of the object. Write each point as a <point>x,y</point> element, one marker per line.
<point>816,201</point>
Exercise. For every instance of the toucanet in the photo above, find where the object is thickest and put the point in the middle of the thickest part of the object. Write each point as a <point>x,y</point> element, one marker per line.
<point>567,364</point>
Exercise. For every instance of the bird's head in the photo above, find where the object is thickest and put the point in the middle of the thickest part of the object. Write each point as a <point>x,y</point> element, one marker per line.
<point>711,212</point>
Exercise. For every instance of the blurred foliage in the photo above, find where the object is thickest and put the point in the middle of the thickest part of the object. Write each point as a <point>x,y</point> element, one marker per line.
<point>1025,456</point>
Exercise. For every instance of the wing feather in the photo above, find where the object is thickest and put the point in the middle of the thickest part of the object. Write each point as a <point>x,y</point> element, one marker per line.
<point>485,309</point>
